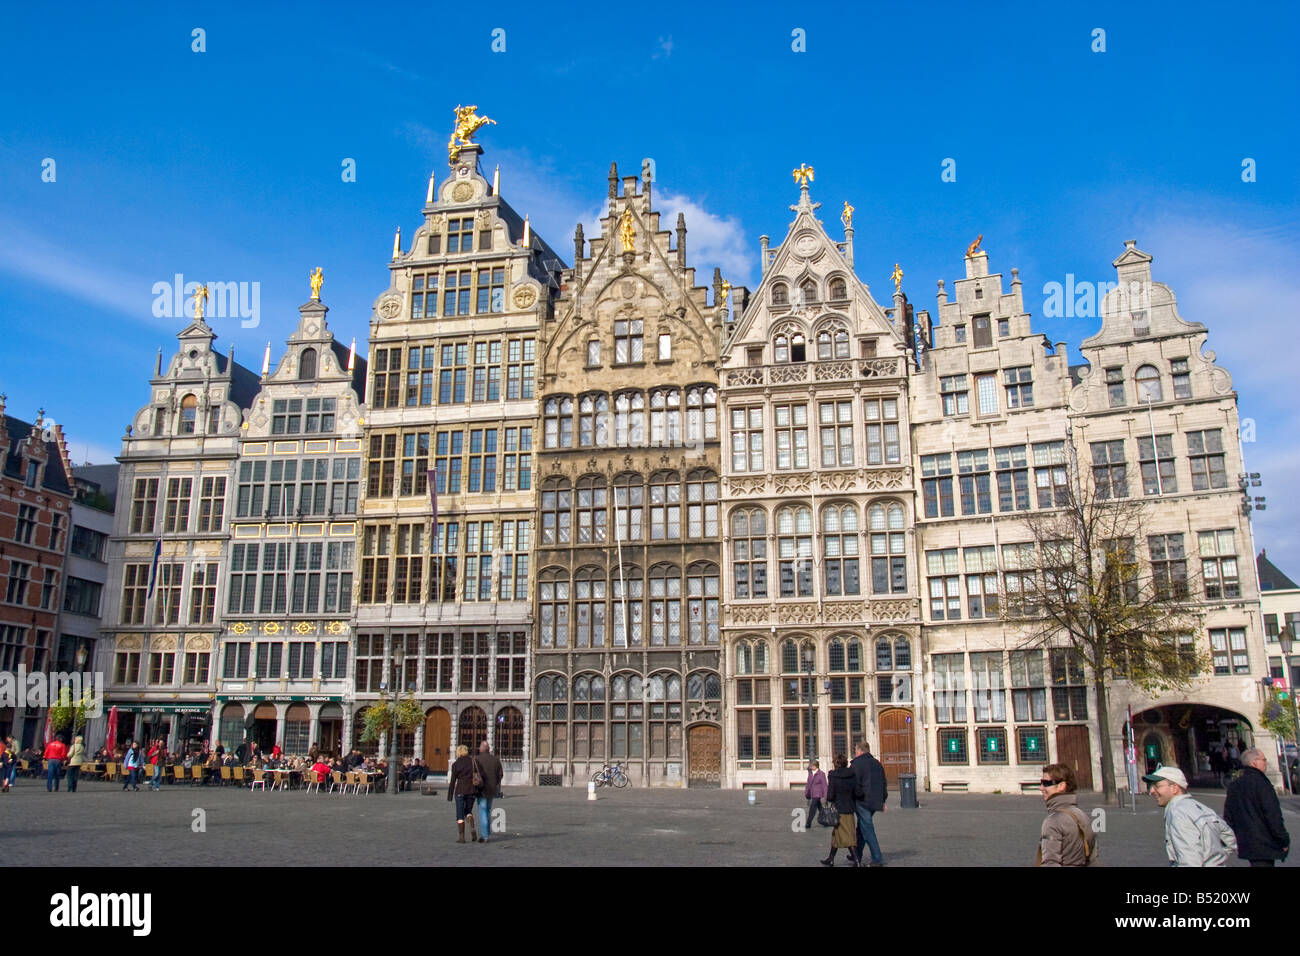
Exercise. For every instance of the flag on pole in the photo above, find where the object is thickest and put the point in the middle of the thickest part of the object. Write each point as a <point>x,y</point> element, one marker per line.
<point>153,571</point>
<point>432,477</point>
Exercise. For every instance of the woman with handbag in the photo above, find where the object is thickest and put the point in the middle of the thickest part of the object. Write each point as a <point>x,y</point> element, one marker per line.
<point>131,764</point>
<point>460,786</point>
<point>843,791</point>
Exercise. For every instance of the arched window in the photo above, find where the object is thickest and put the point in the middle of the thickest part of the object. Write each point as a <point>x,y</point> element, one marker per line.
<point>558,422</point>
<point>701,504</point>
<point>629,419</point>
<point>789,347</point>
<point>825,346</point>
<point>780,294</point>
<point>510,734</point>
<point>841,344</point>
<point>840,549</point>
<point>808,288</point>
<point>888,549</point>
<point>553,607</point>
<point>589,607</point>
<point>189,410</point>
<point>552,712</point>
<point>473,728</point>
<point>848,693</point>
<point>701,413</point>
<point>781,349</point>
<point>592,509</point>
<point>702,603</point>
<point>794,551</point>
<point>628,612</point>
<point>749,553</point>
<point>704,685</point>
<point>666,605</point>
<point>665,507</point>
<point>839,290</point>
<point>893,662</point>
<point>666,417</point>
<point>307,365</point>
<point>1148,384</point>
<point>796,656</point>
<point>557,499</point>
<point>593,421</point>
<point>751,657</point>
<point>664,696</point>
<point>588,717</point>
<point>629,507</point>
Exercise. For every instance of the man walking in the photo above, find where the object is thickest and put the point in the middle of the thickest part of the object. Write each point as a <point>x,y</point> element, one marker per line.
<point>1254,813</point>
<point>871,777</point>
<point>1064,838</point>
<point>156,761</point>
<point>1194,834</point>
<point>489,768</point>
<point>55,753</point>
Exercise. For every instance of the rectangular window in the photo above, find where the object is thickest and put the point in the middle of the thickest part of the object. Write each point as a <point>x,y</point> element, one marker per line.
<point>949,688</point>
<point>203,593</point>
<point>1050,474</point>
<point>127,668</point>
<point>1020,387</point>
<point>235,659</point>
<point>177,518</point>
<point>952,745</point>
<point>945,585</point>
<point>1069,693</point>
<point>628,340</point>
<point>26,526</point>
<point>981,567</point>
<point>1109,471</point>
<point>1168,566</point>
<point>1159,454</point>
<point>1219,565</point>
<point>976,495</point>
<point>955,395</point>
<point>1182,379</point>
<point>936,485</point>
<point>1228,649</point>
<point>1013,478</point>
<point>986,394</point>
<point>982,331</point>
<point>989,689</point>
<point>836,423</point>
<point>491,292</point>
<point>162,668</point>
<point>81,597</point>
<point>791,428</point>
<point>167,594</point>
<point>196,668</point>
<point>992,743</point>
<point>1205,451</point>
<point>883,446</point>
<point>212,504</point>
<point>747,439</point>
<point>144,506</point>
<point>1028,688</point>
<point>1115,386</point>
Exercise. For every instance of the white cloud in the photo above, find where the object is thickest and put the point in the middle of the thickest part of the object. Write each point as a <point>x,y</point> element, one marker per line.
<point>711,240</point>
<point>38,260</point>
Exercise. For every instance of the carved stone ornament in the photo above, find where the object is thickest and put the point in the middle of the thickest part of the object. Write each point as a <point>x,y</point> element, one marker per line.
<point>198,642</point>
<point>797,613</point>
<point>792,484</point>
<point>462,192</point>
<point>525,296</point>
<point>130,642</point>
<point>748,615</point>
<point>890,610</point>
<point>390,306</point>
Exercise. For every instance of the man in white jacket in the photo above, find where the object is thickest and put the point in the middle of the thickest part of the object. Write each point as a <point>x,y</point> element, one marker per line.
<point>1194,834</point>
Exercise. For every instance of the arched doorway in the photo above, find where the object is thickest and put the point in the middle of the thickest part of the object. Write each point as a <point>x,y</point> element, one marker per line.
<point>1186,734</point>
<point>437,738</point>
<point>704,756</point>
<point>472,728</point>
<point>897,744</point>
<point>263,730</point>
<point>297,730</point>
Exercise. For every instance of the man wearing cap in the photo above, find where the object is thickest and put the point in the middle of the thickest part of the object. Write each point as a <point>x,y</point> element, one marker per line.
<point>1194,834</point>
<point>1253,812</point>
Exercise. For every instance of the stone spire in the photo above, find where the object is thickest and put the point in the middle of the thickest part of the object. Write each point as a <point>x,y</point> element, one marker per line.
<point>681,239</point>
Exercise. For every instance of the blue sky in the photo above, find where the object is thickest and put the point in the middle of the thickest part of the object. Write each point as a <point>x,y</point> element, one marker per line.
<point>225,165</point>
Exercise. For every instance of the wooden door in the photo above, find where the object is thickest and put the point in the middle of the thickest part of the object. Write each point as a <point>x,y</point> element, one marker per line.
<point>1073,750</point>
<point>705,755</point>
<point>437,738</point>
<point>897,744</point>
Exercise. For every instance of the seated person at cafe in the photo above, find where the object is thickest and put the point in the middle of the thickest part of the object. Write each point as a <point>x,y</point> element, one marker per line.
<point>321,767</point>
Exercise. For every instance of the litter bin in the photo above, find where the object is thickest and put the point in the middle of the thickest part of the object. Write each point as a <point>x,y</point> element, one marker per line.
<point>907,791</point>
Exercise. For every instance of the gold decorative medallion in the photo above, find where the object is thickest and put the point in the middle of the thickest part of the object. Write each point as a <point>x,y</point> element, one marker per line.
<point>462,192</point>
<point>525,296</point>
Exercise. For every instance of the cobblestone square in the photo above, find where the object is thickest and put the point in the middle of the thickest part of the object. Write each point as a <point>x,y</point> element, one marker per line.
<point>100,825</point>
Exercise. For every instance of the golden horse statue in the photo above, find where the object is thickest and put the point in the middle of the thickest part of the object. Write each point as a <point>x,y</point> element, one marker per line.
<point>467,124</point>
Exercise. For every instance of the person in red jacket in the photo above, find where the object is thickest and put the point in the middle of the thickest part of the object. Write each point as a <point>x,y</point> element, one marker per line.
<point>156,761</point>
<point>55,753</point>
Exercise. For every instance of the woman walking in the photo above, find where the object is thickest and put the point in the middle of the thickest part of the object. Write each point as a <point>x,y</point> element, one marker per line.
<point>131,764</point>
<point>460,784</point>
<point>76,757</point>
<point>6,764</point>
<point>844,792</point>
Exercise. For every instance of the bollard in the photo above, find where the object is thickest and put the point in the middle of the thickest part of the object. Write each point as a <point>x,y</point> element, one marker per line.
<point>591,790</point>
<point>753,797</point>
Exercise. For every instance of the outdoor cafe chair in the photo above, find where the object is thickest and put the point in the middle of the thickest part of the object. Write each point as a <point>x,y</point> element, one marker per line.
<point>336,780</point>
<point>196,774</point>
<point>178,773</point>
<point>310,779</point>
<point>110,772</point>
<point>364,780</point>
<point>226,775</point>
<point>238,773</point>
<point>258,780</point>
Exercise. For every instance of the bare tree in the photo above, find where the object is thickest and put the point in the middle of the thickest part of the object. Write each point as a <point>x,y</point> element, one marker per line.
<point>1083,588</point>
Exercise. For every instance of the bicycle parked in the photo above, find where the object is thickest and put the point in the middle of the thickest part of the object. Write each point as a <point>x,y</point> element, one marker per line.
<point>610,776</point>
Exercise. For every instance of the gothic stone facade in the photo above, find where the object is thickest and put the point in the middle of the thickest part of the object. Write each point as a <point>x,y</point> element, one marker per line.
<point>627,655</point>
